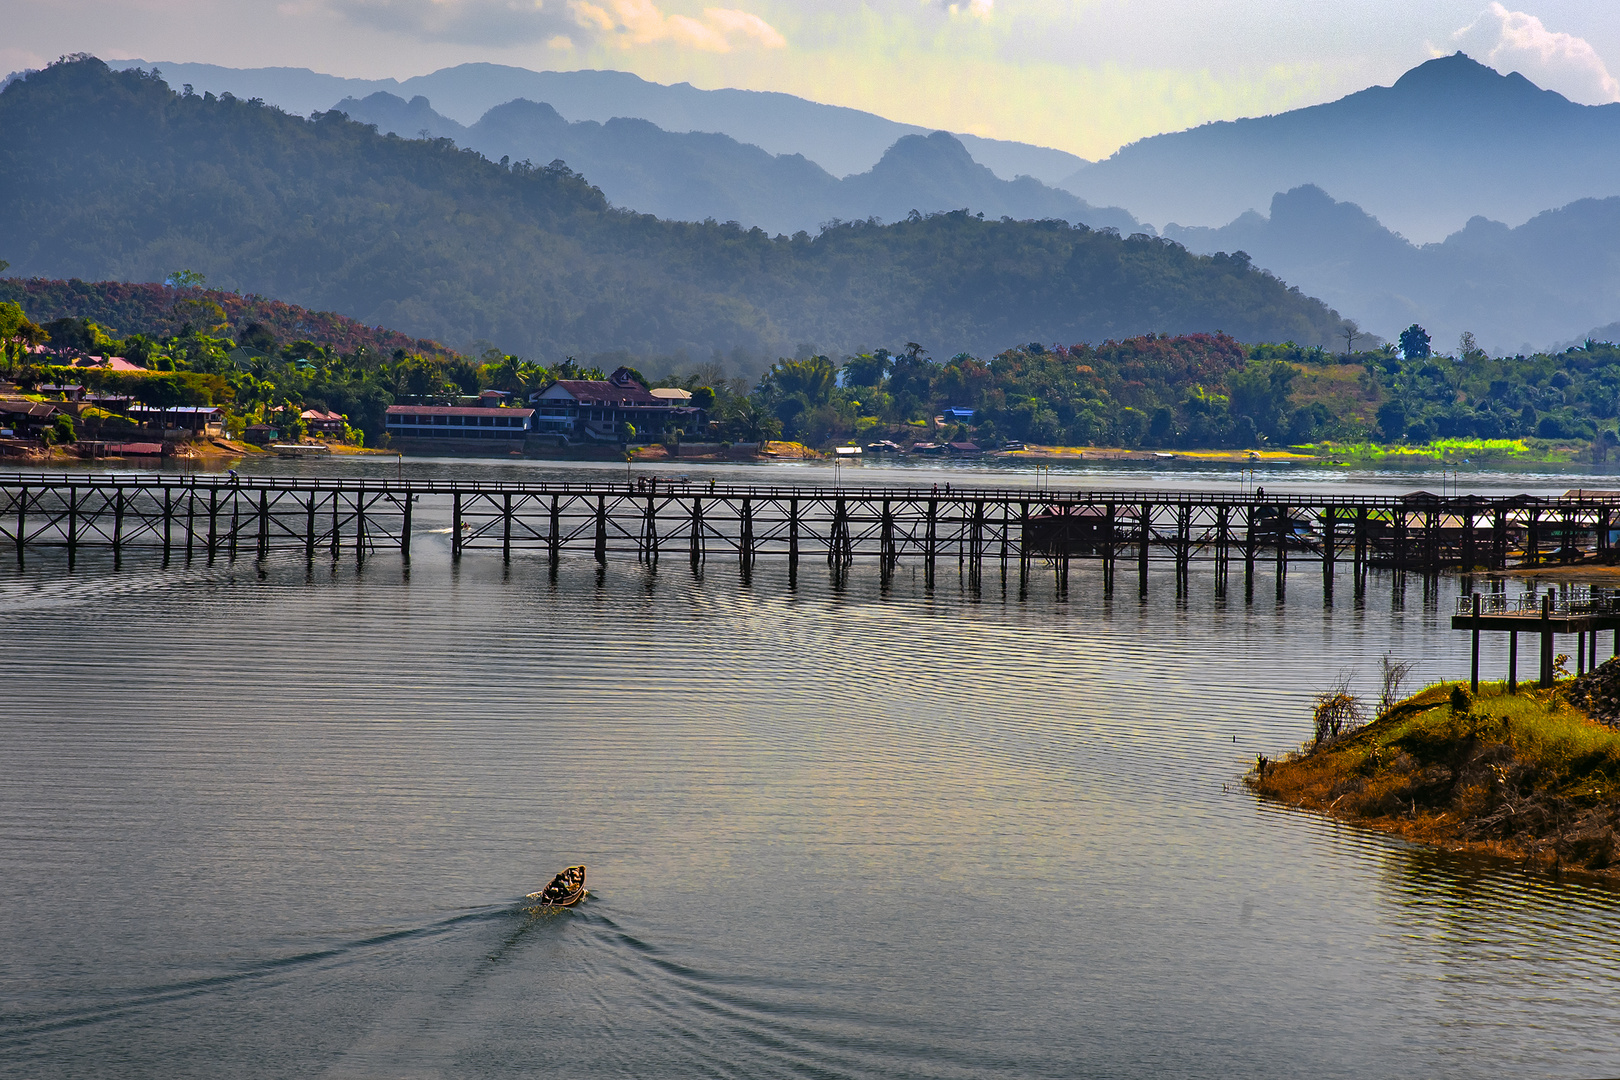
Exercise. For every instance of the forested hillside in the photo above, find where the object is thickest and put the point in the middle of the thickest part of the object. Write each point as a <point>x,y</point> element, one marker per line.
<point>157,311</point>
<point>267,361</point>
<point>112,175</point>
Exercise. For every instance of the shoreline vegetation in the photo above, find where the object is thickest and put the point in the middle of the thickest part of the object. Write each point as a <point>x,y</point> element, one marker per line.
<point>1531,776</point>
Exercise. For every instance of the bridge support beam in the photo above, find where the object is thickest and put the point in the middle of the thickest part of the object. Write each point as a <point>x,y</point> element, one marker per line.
<point>1330,523</point>
<point>405,526</point>
<point>601,531</point>
<point>1144,538</point>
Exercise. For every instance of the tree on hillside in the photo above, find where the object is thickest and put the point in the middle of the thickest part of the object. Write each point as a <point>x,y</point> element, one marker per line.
<point>867,369</point>
<point>258,336</point>
<point>1415,343</point>
<point>1350,331</point>
<point>1260,392</point>
<point>17,332</point>
<point>813,379</point>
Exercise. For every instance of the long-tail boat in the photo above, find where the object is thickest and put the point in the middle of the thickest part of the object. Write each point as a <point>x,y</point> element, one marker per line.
<point>565,890</point>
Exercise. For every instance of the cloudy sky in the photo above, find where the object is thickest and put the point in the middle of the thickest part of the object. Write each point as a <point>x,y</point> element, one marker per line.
<point>1082,75</point>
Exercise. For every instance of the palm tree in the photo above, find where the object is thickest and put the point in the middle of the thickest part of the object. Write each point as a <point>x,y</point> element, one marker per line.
<point>752,422</point>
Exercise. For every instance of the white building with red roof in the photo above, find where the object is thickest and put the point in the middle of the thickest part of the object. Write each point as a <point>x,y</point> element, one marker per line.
<point>593,410</point>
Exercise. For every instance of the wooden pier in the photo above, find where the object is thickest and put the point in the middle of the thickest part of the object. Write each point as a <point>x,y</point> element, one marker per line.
<point>1579,611</point>
<point>1005,530</point>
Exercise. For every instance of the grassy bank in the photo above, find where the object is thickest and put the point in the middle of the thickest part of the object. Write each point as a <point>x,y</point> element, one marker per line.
<point>1104,453</point>
<point>1475,451</point>
<point>1526,776</point>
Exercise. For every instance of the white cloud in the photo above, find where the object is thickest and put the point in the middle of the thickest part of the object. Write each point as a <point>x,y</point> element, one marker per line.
<point>629,23</point>
<point>475,22</point>
<point>1518,41</point>
<point>979,9</point>
<point>562,23</point>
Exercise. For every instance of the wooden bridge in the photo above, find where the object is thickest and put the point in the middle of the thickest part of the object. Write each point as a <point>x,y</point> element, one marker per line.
<point>221,516</point>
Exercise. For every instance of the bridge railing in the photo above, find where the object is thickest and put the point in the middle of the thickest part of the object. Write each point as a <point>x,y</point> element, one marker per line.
<point>672,485</point>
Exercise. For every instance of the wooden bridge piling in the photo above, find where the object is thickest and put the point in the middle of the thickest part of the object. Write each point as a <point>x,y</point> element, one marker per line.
<point>1066,545</point>
<point>1183,547</point>
<point>1329,520</point>
<point>22,525</point>
<point>1143,539</point>
<point>1281,533</point>
<point>1250,542</point>
<point>886,553</point>
<point>554,536</point>
<point>1513,661</point>
<point>506,527</point>
<point>793,535</point>
<point>1006,536</point>
<point>73,527</point>
<point>1023,548</point>
<point>1473,667</point>
<point>697,550</point>
<point>309,528</point>
<point>118,524</point>
<point>455,525</point>
<point>262,548</point>
<point>405,526</point>
<point>600,542</point>
<point>168,524</point>
<point>931,542</point>
<point>1546,640</point>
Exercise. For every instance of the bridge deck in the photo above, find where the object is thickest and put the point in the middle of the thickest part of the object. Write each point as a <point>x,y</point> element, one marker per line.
<point>664,517</point>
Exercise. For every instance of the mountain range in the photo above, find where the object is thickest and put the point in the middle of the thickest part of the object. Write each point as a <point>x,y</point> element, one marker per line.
<point>693,176</point>
<point>841,140</point>
<point>1450,141</point>
<point>111,175</point>
<point>1516,289</point>
<point>1459,197</point>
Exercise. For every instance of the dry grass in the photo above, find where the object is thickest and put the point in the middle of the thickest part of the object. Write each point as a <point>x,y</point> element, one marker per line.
<point>1343,388</point>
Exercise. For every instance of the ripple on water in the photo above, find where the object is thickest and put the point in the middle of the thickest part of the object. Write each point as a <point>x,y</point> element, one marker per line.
<point>276,816</point>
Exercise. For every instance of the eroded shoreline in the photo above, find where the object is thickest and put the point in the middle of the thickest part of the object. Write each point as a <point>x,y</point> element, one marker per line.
<point>1528,776</point>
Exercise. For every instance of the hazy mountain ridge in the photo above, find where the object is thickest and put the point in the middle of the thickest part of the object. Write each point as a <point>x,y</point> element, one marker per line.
<point>1450,140</point>
<point>841,140</point>
<point>110,175</point>
<point>695,176</point>
<point>1516,289</point>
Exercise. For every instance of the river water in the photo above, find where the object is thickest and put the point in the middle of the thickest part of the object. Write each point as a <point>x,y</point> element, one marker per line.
<point>273,821</point>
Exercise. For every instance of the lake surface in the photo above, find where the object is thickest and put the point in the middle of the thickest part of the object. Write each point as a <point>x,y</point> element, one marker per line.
<point>273,821</point>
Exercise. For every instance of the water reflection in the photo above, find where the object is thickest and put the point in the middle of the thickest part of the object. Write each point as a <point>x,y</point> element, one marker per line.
<point>837,825</point>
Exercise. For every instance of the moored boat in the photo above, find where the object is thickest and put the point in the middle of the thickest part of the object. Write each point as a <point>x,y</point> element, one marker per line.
<point>564,890</point>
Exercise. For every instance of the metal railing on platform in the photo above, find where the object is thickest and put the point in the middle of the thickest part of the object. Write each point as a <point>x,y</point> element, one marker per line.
<point>1574,602</point>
